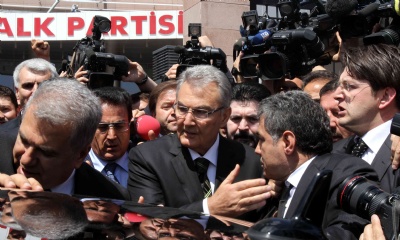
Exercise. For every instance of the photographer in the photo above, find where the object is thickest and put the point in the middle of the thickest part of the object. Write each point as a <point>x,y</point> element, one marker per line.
<point>136,75</point>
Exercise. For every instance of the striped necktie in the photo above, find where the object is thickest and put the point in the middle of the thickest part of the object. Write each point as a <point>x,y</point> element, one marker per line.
<point>201,168</point>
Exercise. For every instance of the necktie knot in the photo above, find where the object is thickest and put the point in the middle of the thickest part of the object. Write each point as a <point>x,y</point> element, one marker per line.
<point>109,169</point>
<point>359,148</point>
<point>201,165</point>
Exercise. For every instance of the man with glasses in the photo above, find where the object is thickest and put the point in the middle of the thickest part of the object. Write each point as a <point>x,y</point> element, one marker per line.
<point>197,169</point>
<point>368,100</point>
<point>111,140</point>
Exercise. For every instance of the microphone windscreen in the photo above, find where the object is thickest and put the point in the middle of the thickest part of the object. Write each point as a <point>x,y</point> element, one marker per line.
<point>340,8</point>
<point>260,37</point>
<point>146,123</point>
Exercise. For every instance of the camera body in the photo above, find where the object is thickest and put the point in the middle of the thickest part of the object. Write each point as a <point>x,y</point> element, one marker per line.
<point>103,68</point>
<point>365,21</point>
<point>192,54</point>
<point>288,47</point>
<point>359,196</point>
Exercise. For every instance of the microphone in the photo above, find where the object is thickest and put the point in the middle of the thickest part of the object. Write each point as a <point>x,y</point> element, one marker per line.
<point>396,6</point>
<point>144,124</point>
<point>340,8</point>
<point>260,37</point>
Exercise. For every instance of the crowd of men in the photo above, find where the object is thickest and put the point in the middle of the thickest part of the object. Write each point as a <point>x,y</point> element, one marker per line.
<point>248,151</point>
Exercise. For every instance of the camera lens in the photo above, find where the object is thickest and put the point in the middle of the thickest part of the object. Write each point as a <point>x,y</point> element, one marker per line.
<point>357,195</point>
<point>248,65</point>
<point>273,65</point>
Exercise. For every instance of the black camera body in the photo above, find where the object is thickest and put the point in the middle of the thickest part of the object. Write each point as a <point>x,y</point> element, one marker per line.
<point>359,196</point>
<point>289,47</point>
<point>364,22</point>
<point>103,68</point>
<point>192,54</point>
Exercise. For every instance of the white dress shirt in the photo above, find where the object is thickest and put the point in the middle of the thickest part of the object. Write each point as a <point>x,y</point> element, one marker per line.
<point>374,139</point>
<point>294,179</point>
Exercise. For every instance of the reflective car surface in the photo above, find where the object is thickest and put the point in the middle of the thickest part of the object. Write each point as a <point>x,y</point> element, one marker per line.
<point>47,215</point>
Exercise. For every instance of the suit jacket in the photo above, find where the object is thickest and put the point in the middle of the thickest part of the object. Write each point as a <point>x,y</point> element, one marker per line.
<point>337,224</point>
<point>163,172</point>
<point>8,136</point>
<point>90,182</point>
<point>389,179</point>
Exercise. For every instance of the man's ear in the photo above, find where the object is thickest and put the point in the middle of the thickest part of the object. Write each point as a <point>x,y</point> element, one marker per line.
<point>388,97</point>
<point>289,140</point>
<point>17,95</point>
<point>82,156</point>
<point>226,113</point>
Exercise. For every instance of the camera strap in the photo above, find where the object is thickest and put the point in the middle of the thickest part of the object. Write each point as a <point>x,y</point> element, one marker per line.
<point>396,215</point>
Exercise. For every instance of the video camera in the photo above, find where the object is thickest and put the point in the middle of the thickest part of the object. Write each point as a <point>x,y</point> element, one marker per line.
<point>103,68</point>
<point>367,18</point>
<point>359,196</point>
<point>286,47</point>
<point>192,54</point>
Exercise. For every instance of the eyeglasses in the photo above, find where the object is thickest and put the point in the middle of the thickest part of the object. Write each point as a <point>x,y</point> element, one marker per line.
<point>181,111</point>
<point>352,86</point>
<point>117,126</point>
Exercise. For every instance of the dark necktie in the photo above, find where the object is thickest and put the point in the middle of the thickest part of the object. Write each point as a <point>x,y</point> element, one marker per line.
<point>359,148</point>
<point>109,169</point>
<point>201,168</point>
<point>284,198</point>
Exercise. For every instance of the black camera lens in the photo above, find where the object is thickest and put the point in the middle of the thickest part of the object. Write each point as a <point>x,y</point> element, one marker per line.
<point>249,66</point>
<point>359,196</point>
<point>273,65</point>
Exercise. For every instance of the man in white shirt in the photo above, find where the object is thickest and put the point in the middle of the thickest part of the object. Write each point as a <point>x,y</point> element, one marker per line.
<point>295,143</point>
<point>368,101</point>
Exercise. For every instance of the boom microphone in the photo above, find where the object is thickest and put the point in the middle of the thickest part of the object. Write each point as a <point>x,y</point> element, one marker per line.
<point>337,9</point>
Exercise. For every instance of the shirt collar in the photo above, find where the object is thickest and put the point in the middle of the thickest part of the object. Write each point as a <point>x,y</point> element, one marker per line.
<point>99,164</point>
<point>211,155</point>
<point>375,137</point>
<point>66,187</point>
<point>295,177</point>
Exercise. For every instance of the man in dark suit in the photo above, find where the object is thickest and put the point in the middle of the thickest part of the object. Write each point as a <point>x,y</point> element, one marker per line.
<point>196,168</point>
<point>53,140</point>
<point>27,77</point>
<point>368,101</point>
<point>295,144</point>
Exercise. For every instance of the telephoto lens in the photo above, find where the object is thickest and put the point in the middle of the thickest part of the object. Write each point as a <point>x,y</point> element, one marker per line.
<point>359,196</point>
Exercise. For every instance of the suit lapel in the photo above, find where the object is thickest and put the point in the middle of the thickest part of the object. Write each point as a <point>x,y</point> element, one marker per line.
<point>381,162</point>
<point>317,165</point>
<point>184,168</point>
<point>226,161</point>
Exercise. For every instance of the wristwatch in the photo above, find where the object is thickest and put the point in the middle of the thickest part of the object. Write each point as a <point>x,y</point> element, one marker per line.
<point>143,81</point>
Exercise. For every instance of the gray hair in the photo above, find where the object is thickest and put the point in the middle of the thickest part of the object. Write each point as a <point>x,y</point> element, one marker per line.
<point>295,111</point>
<point>35,65</point>
<point>66,102</point>
<point>201,75</point>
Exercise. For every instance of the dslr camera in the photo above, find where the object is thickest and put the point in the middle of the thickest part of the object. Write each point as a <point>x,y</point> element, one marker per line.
<point>359,196</point>
<point>103,68</point>
<point>192,54</point>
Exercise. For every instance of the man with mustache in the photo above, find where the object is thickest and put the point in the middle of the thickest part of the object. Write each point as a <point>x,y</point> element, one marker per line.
<point>243,122</point>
